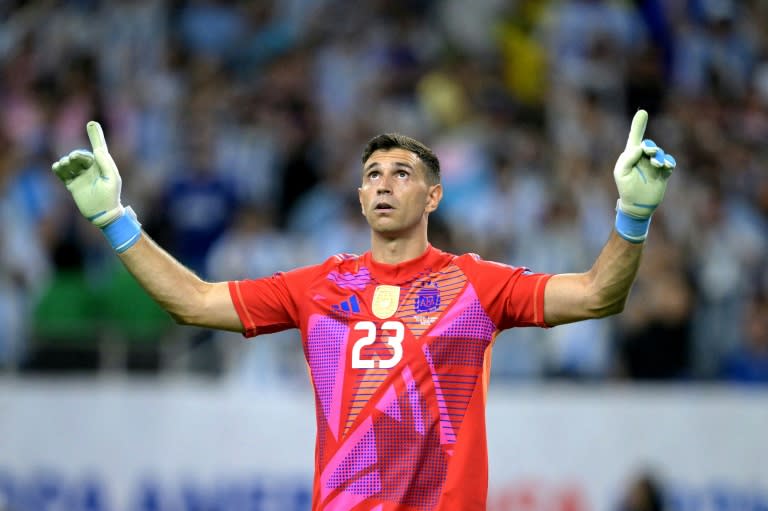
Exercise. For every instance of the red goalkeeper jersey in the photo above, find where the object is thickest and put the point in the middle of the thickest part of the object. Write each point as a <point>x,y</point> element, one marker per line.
<point>399,358</point>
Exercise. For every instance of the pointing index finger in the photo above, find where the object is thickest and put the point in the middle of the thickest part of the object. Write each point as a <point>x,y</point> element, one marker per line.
<point>96,136</point>
<point>636,132</point>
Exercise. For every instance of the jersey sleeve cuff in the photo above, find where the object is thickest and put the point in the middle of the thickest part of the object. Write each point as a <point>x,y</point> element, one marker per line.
<point>249,326</point>
<point>538,297</point>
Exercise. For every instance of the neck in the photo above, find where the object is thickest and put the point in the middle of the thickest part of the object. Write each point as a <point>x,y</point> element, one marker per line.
<point>396,250</point>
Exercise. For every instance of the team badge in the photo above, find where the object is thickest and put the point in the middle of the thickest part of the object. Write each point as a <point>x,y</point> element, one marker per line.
<point>427,299</point>
<point>385,301</point>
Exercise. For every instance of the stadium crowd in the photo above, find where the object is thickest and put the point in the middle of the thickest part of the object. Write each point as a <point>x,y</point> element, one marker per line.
<point>238,125</point>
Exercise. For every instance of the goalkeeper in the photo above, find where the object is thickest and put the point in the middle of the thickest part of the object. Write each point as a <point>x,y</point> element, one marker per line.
<point>398,339</point>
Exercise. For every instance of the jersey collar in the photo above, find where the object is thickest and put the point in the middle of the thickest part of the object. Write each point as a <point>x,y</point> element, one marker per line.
<point>400,273</point>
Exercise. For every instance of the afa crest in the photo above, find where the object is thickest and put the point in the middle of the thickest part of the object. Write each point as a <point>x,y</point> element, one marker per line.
<point>427,299</point>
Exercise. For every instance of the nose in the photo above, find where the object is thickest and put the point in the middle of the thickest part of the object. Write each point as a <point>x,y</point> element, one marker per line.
<point>384,187</point>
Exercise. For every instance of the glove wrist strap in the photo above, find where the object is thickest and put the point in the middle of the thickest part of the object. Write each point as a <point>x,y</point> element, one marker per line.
<point>632,229</point>
<point>124,232</point>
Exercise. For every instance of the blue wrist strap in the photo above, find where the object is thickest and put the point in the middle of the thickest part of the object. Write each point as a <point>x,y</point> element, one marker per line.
<point>123,232</point>
<point>632,229</point>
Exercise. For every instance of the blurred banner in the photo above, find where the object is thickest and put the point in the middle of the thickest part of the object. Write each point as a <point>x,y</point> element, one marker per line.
<point>171,445</point>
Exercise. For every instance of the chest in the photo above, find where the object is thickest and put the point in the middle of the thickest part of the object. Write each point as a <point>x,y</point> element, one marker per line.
<point>372,346</point>
<point>358,323</point>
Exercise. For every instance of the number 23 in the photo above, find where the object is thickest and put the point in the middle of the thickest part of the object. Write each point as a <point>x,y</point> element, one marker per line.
<point>396,341</point>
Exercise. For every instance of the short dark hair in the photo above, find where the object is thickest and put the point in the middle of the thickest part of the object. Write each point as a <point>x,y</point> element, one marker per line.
<point>387,141</point>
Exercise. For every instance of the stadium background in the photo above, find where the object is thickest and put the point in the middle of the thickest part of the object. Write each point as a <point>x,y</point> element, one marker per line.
<point>237,127</point>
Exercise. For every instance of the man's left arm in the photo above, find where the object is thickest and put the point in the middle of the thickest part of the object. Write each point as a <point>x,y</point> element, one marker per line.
<point>641,174</point>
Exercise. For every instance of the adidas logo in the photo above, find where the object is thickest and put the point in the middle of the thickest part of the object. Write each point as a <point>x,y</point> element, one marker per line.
<point>349,305</point>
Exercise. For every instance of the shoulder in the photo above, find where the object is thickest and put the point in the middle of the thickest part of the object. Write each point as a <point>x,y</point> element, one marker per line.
<point>474,262</point>
<point>342,257</point>
<point>337,263</point>
<point>341,261</point>
<point>470,258</point>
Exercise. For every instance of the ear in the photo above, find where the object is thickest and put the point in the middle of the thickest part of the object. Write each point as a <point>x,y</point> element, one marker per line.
<point>434,196</point>
<point>360,199</point>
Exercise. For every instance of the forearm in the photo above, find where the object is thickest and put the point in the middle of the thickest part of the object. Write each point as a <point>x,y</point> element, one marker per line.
<point>599,292</point>
<point>186,297</point>
<point>167,281</point>
<point>610,278</point>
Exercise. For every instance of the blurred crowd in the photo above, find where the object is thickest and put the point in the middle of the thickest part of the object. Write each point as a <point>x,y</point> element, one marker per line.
<point>238,126</point>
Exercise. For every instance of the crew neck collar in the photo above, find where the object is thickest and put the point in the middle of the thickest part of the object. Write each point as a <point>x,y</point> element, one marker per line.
<point>399,273</point>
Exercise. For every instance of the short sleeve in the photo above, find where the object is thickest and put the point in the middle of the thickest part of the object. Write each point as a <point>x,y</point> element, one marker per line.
<point>271,304</point>
<point>513,296</point>
<point>264,305</point>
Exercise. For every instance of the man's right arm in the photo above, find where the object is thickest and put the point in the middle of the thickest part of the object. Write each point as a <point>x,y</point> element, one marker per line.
<point>186,297</point>
<point>95,184</point>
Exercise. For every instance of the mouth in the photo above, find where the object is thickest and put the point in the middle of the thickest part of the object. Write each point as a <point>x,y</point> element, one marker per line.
<point>383,207</point>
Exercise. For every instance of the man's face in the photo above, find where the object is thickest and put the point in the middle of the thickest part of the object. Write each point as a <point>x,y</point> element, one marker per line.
<point>395,196</point>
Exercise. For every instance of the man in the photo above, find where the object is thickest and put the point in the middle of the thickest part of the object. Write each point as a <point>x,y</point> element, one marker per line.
<point>398,339</point>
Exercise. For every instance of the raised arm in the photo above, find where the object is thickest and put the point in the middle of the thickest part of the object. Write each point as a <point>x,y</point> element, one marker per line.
<point>641,174</point>
<point>95,184</point>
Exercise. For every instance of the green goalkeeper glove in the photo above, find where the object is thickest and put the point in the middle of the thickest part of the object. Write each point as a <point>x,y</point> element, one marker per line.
<point>641,174</point>
<point>95,184</point>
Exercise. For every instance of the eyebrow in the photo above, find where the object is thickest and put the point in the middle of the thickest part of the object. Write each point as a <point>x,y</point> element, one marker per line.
<point>376,165</point>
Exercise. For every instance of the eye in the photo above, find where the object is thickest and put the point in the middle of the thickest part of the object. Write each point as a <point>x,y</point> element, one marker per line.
<point>374,174</point>
<point>402,174</point>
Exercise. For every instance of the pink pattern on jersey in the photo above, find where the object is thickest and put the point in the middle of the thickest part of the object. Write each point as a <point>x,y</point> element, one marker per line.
<point>367,485</point>
<point>412,464</point>
<point>459,342</point>
<point>414,397</point>
<point>447,434</point>
<point>462,302</point>
<point>389,405</point>
<point>349,459</point>
<point>326,355</point>
<point>349,280</point>
<point>344,502</point>
<point>465,340</point>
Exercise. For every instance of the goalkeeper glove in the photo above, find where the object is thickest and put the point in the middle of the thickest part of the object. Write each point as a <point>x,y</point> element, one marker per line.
<point>641,174</point>
<point>95,184</point>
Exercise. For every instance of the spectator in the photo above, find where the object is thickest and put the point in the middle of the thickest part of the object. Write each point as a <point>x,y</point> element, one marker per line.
<point>267,94</point>
<point>748,361</point>
<point>644,493</point>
